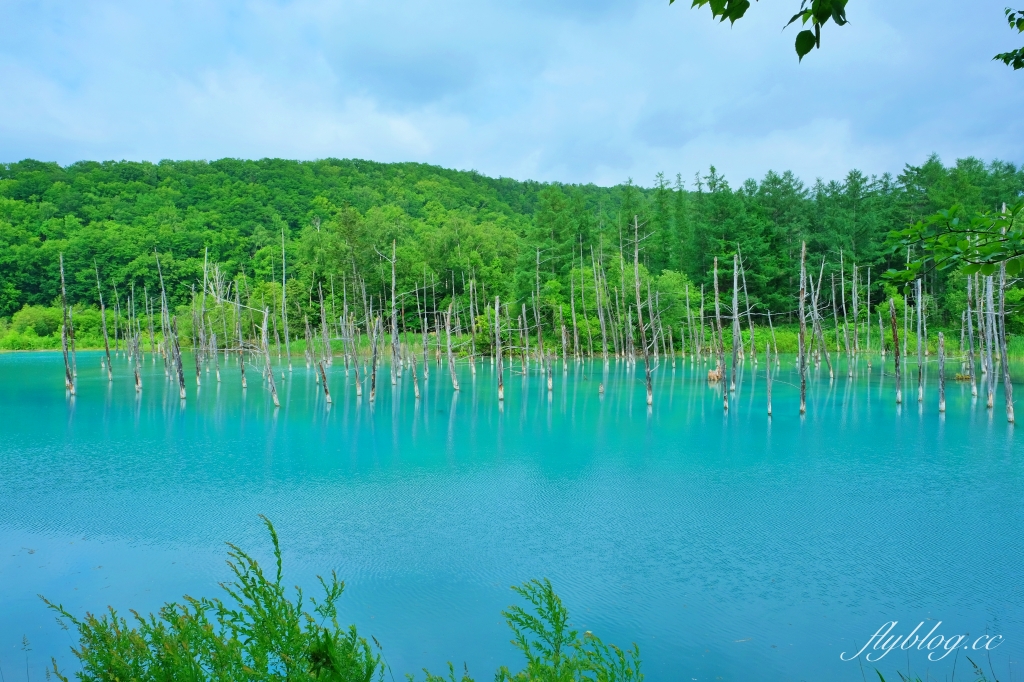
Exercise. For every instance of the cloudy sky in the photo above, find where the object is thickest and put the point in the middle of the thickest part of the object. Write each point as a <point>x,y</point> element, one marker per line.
<point>572,90</point>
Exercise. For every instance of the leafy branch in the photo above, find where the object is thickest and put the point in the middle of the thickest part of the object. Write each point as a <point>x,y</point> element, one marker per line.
<point>1014,58</point>
<point>978,242</point>
<point>816,13</point>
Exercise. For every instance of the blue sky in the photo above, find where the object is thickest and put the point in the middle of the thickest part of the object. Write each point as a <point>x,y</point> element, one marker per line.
<point>575,90</point>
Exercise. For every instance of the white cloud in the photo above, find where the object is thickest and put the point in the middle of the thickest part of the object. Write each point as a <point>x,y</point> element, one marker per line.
<point>574,91</point>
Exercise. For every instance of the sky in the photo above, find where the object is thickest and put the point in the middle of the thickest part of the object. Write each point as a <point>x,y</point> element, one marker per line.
<point>570,90</point>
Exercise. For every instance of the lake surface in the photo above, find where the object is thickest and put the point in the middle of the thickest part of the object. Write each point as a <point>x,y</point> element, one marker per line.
<point>727,545</point>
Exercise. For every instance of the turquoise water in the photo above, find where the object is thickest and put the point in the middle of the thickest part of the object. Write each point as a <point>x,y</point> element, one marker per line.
<point>727,545</point>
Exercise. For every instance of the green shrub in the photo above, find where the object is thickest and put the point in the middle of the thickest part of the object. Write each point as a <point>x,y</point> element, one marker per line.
<point>41,320</point>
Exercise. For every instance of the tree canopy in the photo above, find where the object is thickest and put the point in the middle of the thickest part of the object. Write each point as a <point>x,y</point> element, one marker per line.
<point>514,239</point>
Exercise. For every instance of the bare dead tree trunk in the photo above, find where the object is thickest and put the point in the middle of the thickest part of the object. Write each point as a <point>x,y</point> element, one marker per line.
<point>689,326</point>
<point>816,320</point>
<point>746,302</point>
<point>241,343</point>
<point>197,339</point>
<point>721,338</point>
<point>803,329</point>
<point>323,378</point>
<point>970,341</point>
<point>451,355</point>
<point>881,337</point>
<point>69,377</point>
<point>896,350</point>
<point>737,341</point>
<point>921,341</point>
<point>395,351</point>
<point>600,308</point>
<point>102,320</point>
<point>639,311</point>
<point>135,350</point>
<point>356,359</point>
<point>265,347</point>
<point>856,312</point>
<point>176,349</point>
<point>942,372</point>
<point>775,343</point>
<point>867,317</point>
<point>846,323</point>
<point>572,308</point>
<point>1004,359</point>
<point>327,353</point>
<point>497,346</point>
<point>374,336</point>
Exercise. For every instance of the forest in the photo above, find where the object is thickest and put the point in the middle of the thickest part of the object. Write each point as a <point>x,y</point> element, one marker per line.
<point>333,226</point>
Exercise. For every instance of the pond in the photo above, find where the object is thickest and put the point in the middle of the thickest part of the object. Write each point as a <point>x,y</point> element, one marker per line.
<point>728,545</point>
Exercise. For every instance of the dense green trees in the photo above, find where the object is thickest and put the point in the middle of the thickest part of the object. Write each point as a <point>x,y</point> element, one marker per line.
<point>337,217</point>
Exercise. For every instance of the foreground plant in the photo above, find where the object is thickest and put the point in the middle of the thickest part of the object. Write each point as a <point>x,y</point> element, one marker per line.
<point>554,652</point>
<point>260,634</point>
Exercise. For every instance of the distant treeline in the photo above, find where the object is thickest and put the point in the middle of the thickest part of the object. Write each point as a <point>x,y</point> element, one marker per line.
<point>338,220</point>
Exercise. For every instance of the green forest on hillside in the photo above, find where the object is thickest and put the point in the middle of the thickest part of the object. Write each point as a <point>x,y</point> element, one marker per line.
<point>339,218</point>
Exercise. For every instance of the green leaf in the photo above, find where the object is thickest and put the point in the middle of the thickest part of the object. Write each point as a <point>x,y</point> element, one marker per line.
<point>736,9</point>
<point>1013,267</point>
<point>796,16</point>
<point>804,43</point>
<point>839,12</point>
<point>988,269</point>
<point>971,268</point>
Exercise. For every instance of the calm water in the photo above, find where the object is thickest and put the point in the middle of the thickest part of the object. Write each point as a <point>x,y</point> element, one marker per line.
<point>727,546</point>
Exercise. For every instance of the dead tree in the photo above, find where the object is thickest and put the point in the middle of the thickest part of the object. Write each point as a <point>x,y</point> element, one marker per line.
<point>803,329</point>
<point>451,355</point>
<point>639,311</point>
<point>103,322</point>
<point>896,350</point>
<point>497,347</point>
<point>265,348</point>
<point>69,376</point>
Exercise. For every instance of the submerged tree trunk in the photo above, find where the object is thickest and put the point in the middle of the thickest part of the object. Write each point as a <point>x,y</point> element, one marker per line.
<point>921,350</point>
<point>867,318</point>
<point>103,322</point>
<point>451,355</point>
<point>737,341</point>
<point>970,341</point>
<point>323,379</point>
<point>990,333</point>
<point>639,311</point>
<point>942,372</point>
<point>720,354</point>
<point>374,338</point>
<point>750,319</point>
<point>896,350</point>
<point>803,329</point>
<point>176,346</point>
<point>497,346</point>
<point>1004,359</point>
<point>238,325</point>
<point>265,347</point>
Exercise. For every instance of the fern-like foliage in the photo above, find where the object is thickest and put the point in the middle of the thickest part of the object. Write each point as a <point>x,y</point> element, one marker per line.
<point>554,651</point>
